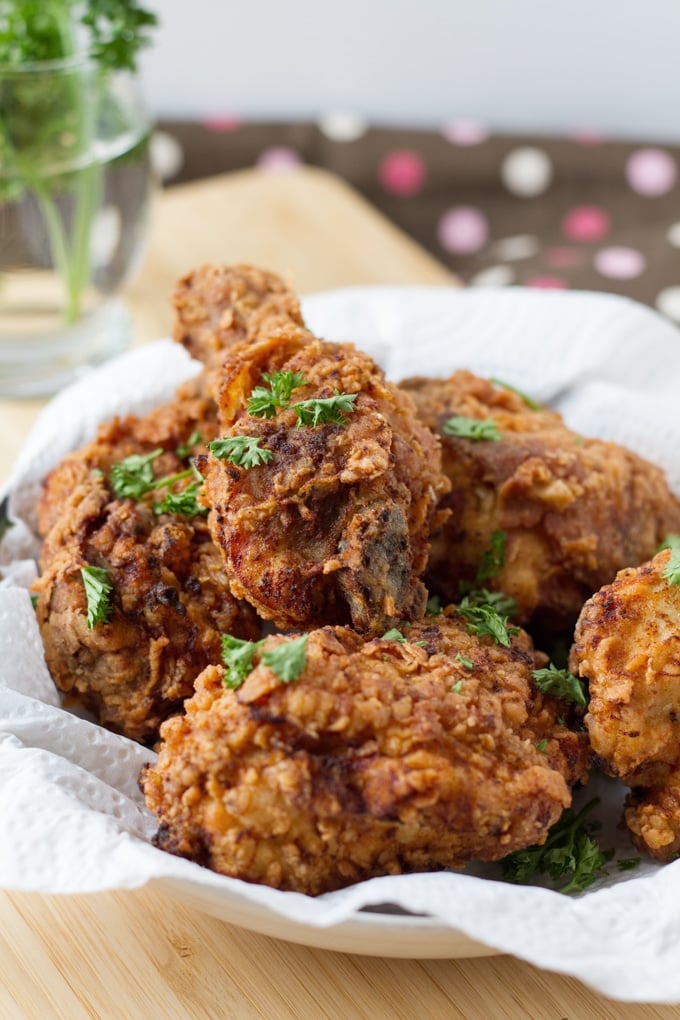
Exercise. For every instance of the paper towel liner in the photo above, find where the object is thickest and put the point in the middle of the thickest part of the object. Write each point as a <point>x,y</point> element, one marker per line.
<point>72,819</point>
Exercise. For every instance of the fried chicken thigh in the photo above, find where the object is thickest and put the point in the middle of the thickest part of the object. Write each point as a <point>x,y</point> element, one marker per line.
<point>572,510</point>
<point>380,758</point>
<point>334,528</point>
<point>627,644</point>
<point>170,600</point>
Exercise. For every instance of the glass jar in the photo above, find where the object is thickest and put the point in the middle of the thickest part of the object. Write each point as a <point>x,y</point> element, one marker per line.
<point>74,195</point>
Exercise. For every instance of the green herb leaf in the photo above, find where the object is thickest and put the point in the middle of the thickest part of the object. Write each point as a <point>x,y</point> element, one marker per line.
<point>237,656</point>
<point>457,687</point>
<point>570,852</point>
<point>434,606</point>
<point>327,410</point>
<point>484,620</point>
<point>542,744</point>
<point>266,400</point>
<point>244,451</point>
<point>560,683</point>
<point>472,428</point>
<point>394,635</point>
<point>628,863</point>
<point>132,478</point>
<point>493,558</point>
<point>504,604</point>
<point>529,401</point>
<point>185,449</point>
<point>671,572</point>
<point>184,502</point>
<point>98,590</point>
<point>288,660</point>
<point>671,541</point>
<point>463,659</point>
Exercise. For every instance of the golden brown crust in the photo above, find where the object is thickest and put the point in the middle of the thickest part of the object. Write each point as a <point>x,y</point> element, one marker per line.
<point>574,510</point>
<point>171,600</point>
<point>334,529</point>
<point>380,758</point>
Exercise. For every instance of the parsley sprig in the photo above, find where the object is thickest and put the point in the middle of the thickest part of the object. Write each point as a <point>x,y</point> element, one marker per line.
<point>244,451</point>
<point>560,683</point>
<point>570,852</point>
<point>485,620</point>
<point>98,591</point>
<point>671,571</point>
<point>133,478</point>
<point>472,428</point>
<point>266,400</point>
<point>325,410</point>
<point>532,404</point>
<point>287,660</point>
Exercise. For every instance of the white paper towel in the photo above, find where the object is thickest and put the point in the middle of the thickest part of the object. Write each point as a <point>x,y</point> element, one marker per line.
<point>71,816</point>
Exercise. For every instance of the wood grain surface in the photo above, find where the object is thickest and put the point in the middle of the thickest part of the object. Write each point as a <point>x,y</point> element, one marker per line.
<point>139,954</point>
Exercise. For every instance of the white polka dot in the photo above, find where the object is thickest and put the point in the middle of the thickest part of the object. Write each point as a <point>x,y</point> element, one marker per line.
<point>526,171</point>
<point>523,246</point>
<point>166,155</point>
<point>668,302</point>
<point>673,235</point>
<point>494,276</point>
<point>342,126</point>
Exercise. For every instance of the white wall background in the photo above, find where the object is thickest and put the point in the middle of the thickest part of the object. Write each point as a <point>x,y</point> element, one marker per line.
<point>517,65</point>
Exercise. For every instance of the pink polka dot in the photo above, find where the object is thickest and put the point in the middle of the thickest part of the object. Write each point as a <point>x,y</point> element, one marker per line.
<point>402,172</point>
<point>619,263</point>
<point>278,159</point>
<point>586,223</point>
<point>463,230</point>
<point>588,136</point>
<point>222,123</point>
<point>547,282</point>
<point>465,132</point>
<point>563,257</point>
<point>651,172</point>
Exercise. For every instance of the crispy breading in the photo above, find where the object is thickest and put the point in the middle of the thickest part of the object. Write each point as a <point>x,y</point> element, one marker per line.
<point>217,306</point>
<point>627,644</point>
<point>335,528</point>
<point>381,757</point>
<point>573,510</point>
<point>171,601</point>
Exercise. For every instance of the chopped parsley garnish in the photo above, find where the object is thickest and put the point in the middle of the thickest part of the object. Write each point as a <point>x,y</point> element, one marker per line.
<point>628,863</point>
<point>288,660</point>
<point>184,502</point>
<point>472,428</point>
<point>498,600</point>
<point>560,683</point>
<point>132,478</point>
<point>457,687</point>
<point>434,606</point>
<point>327,410</point>
<point>532,404</point>
<point>671,541</point>
<point>34,600</point>
<point>237,656</point>
<point>394,635</point>
<point>266,400</point>
<point>542,744</point>
<point>570,852</point>
<point>98,590</point>
<point>493,558</point>
<point>463,659</point>
<point>671,572</point>
<point>483,619</point>
<point>185,449</point>
<point>244,451</point>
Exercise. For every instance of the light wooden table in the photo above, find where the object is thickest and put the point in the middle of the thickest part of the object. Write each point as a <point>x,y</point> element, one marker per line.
<point>136,954</point>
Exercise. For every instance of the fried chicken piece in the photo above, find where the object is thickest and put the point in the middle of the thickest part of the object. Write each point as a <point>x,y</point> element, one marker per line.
<point>171,600</point>
<point>334,528</point>
<point>627,644</point>
<point>573,510</point>
<point>218,306</point>
<point>380,758</point>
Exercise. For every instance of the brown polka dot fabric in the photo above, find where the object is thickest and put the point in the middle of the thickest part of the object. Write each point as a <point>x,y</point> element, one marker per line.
<point>582,212</point>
